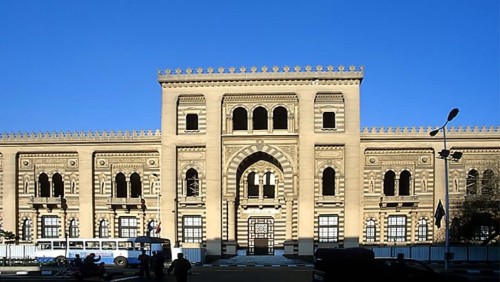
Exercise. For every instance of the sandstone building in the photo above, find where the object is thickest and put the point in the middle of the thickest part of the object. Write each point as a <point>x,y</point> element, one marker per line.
<point>260,160</point>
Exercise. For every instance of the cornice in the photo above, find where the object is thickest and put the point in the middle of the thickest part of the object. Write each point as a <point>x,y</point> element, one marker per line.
<point>451,132</point>
<point>90,136</point>
<point>262,75</point>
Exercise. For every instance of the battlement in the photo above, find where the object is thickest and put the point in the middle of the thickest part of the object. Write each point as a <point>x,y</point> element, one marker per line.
<point>495,130</point>
<point>150,135</point>
<point>262,73</point>
<point>89,136</point>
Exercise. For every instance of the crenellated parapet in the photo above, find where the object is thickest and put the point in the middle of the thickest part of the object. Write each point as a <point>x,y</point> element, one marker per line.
<point>463,130</point>
<point>263,73</point>
<point>82,136</point>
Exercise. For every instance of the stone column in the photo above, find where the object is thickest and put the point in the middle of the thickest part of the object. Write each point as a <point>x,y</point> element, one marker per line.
<point>10,214</point>
<point>231,219</point>
<point>86,185</point>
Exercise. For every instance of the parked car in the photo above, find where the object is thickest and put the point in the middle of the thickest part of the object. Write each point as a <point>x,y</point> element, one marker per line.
<point>360,264</point>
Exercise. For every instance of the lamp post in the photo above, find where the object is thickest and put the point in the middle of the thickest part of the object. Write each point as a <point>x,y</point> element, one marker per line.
<point>444,154</point>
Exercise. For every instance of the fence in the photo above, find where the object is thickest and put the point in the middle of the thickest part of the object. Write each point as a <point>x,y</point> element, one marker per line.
<point>436,253</point>
<point>422,253</point>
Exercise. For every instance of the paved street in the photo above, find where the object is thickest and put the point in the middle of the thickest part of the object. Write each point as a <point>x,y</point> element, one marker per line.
<point>226,274</point>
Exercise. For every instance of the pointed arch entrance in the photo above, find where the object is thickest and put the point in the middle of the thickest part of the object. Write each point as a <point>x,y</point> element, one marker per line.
<point>259,196</point>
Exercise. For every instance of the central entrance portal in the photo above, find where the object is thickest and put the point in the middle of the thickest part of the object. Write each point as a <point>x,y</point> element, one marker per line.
<point>261,236</point>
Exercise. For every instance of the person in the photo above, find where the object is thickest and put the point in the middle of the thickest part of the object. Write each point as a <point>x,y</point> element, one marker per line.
<point>89,267</point>
<point>157,261</point>
<point>181,267</point>
<point>77,264</point>
<point>77,261</point>
<point>144,264</point>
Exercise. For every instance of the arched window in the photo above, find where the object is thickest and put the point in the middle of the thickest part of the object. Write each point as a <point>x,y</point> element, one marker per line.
<point>240,119</point>
<point>328,120</point>
<point>371,231</point>
<point>328,184</point>
<point>472,182</point>
<point>404,183</point>
<point>135,185</point>
<point>389,183</point>
<point>269,185</point>
<point>103,229</point>
<point>280,118</point>
<point>27,230</point>
<point>422,230</point>
<point>192,183</point>
<point>488,183</point>
<point>73,229</point>
<point>121,186</point>
<point>58,184</point>
<point>43,180</point>
<point>191,122</point>
<point>253,185</point>
<point>259,118</point>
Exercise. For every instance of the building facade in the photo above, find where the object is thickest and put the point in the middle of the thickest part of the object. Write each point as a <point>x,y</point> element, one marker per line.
<point>257,160</point>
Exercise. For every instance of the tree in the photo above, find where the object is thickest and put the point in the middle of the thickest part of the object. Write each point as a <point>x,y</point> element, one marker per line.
<point>9,236</point>
<point>478,218</point>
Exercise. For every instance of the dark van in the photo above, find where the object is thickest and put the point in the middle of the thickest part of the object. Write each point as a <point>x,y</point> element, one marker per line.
<point>360,264</point>
<point>349,264</point>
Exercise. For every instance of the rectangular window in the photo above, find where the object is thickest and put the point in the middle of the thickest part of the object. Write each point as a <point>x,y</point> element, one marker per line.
<point>111,245</point>
<point>92,245</point>
<point>328,120</point>
<point>396,228</point>
<point>191,122</point>
<point>128,227</point>
<point>50,226</point>
<point>192,229</point>
<point>328,228</point>
<point>76,245</point>
<point>59,245</point>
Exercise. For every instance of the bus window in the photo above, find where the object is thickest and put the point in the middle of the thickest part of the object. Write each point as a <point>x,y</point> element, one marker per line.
<point>44,245</point>
<point>59,245</point>
<point>76,245</point>
<point>92,245</point>
<point>110,245</point>
<point>126,245</point>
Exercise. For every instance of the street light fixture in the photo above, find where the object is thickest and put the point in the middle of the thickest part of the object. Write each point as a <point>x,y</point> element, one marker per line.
<point>445,154</point>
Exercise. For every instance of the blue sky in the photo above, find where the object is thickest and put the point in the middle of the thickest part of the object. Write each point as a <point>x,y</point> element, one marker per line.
<point>72,65</point>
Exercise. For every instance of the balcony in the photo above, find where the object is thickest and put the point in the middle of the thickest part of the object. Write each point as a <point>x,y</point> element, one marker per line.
<point>329,201</point>
<point>260,202</point>
<point>125,203</point>
<point>399,201</point>
<point>191,201</point>
<point>48,202</point>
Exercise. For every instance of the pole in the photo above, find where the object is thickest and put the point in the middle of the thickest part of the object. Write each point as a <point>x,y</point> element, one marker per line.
<point>447,207</point>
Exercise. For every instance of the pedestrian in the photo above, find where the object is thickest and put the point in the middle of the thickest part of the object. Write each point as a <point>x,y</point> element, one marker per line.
<point>77,261</point>
<point>157,261</point>
<point>90,267</point>
<point>181,267</point>
<point>144,262</point>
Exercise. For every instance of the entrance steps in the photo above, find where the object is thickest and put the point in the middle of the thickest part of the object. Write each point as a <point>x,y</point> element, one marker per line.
<point>260,260</point>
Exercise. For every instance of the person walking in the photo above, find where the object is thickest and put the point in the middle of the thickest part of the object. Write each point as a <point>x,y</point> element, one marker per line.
<point>181,267</point>
<point>157,261</point>
<point>144,262</point>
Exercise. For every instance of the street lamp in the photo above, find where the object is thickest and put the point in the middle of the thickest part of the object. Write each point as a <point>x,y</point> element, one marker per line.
<point>445,154</point>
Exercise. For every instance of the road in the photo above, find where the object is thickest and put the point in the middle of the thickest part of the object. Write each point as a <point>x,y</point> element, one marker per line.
<point>222,274</point>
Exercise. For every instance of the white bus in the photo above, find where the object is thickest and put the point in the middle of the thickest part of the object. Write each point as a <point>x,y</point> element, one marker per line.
<point>119,251</point>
